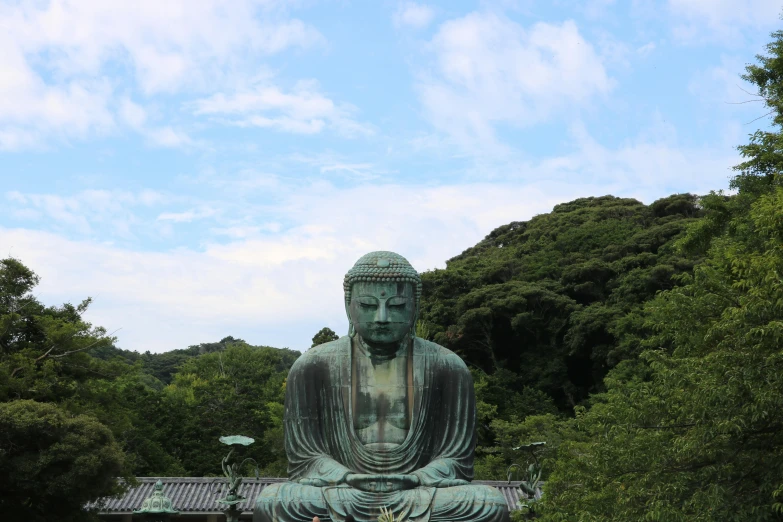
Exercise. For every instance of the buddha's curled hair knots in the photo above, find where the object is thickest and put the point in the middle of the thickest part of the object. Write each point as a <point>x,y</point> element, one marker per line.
<point>382,266</point>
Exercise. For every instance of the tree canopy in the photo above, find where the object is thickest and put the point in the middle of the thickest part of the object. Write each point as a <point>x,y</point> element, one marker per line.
<point>77,413</point>
<point>53,464</point>
<point>692,429</point>
<point>324,335</point>
<point>695,433</point>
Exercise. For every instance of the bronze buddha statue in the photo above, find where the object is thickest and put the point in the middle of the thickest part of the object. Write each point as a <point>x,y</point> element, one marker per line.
<point>380,419</point>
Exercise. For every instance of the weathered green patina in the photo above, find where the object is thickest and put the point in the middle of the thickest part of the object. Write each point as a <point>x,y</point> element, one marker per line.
<point>380,419</point>
<point>157,507</point>
<point>232,470</point>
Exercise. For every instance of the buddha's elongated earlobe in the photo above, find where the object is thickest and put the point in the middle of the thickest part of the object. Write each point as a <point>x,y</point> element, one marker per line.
<point>351,329</point>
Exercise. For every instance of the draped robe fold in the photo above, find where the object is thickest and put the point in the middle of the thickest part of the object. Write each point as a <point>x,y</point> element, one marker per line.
<point>322,447</point>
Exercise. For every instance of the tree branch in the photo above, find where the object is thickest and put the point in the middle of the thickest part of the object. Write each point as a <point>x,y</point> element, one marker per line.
<point>48,352</point>
<point>59,355</point>
<point>762,116</point>
<point>669,427</point>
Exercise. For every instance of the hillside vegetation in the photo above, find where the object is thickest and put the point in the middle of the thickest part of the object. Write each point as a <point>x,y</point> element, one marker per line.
<point>543,304</point>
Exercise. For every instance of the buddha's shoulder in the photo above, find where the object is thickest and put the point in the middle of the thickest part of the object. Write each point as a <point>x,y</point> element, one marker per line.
<point>322,354</point>
<point>443,354</point>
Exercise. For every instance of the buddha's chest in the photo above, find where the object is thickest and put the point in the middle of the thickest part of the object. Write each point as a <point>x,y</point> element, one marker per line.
<point>381,405</point>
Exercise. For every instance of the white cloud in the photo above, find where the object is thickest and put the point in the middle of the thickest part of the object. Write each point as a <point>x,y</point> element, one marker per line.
<point>732,107</point>
<point>648,167</point>
<point>135,116</point>
<point>597,9</point>
<point>614,53</point>
<point>646,49</point>
<point>84,212</point>
<point>254,287</point>
<point>29,107</point>
<point>132,113</point>
<point>278,285</point>
<point>168,137</point>
<point>490,71</point>
<point>16,138</point>
<point>304,110</point>
<point>722,21</point>
<point>245,181</point>
<point>245,232</point>
<point>168,43</point>
<point>187,216</point>
<point>411,14</point>
<point>720,85</point>
<point>59,60</point>
<point>16,197</point>
<point>356,171</point>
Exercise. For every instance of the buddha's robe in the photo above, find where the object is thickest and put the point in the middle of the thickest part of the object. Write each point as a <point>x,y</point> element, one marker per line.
<point>323,447</point>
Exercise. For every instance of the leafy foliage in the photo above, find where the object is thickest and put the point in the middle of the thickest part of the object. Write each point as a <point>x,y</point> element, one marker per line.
<point>53,464</point>
<point>543,309</point>
<point>701,437</point>
<point>324,335</point>
<point>43,349</point>
<point>692,430</point>
<point>543,298</point>
<point>165,411</point>
<point>239,390</point>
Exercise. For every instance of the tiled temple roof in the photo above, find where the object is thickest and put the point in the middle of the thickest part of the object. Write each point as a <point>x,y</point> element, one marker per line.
<point>198,495</point>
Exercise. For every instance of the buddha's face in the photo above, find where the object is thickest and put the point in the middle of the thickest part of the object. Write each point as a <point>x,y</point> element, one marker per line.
<point>382,313</point>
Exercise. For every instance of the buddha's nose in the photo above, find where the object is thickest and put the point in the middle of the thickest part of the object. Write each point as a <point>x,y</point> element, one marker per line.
<point>383,315</point>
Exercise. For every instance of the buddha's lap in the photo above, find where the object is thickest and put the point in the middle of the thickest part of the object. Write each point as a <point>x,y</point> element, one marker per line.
<point>455,502</point>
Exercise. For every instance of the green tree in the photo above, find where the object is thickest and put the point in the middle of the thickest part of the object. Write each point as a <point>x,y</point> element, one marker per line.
<point>544,298</point>
<point>693,429</point>
<point>239,390</point>
<point>53,464</point>
<point>764,154</point>
<point>46,355</point>
<point>324,335</point>
<point>50,354</point>
<point>43,349</point>
<point>543,308</point>
<point>700,436</point>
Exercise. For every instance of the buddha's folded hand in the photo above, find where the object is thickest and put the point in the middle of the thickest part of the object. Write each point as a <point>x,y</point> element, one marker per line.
<point>313,482</point>
<point>449,483</point>
<point>381,483</point>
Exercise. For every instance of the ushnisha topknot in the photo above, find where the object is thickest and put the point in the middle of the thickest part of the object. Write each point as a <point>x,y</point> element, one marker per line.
<point>382,266</point>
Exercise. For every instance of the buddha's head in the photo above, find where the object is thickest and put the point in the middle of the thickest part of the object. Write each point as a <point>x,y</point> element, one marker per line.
<point>382,293</point>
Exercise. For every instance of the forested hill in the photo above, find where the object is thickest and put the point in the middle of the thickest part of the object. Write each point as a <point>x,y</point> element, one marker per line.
<point>164,365</point>
<point>542,308</point>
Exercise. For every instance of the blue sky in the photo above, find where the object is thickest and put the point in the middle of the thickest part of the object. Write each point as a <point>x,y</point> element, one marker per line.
<point>207,168</point>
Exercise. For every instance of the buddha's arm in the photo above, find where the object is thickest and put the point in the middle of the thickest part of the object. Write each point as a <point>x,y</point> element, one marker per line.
<point>309,461</point>
<point>452,464</point>
<point>324,471</point>
<point>440,473</point>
